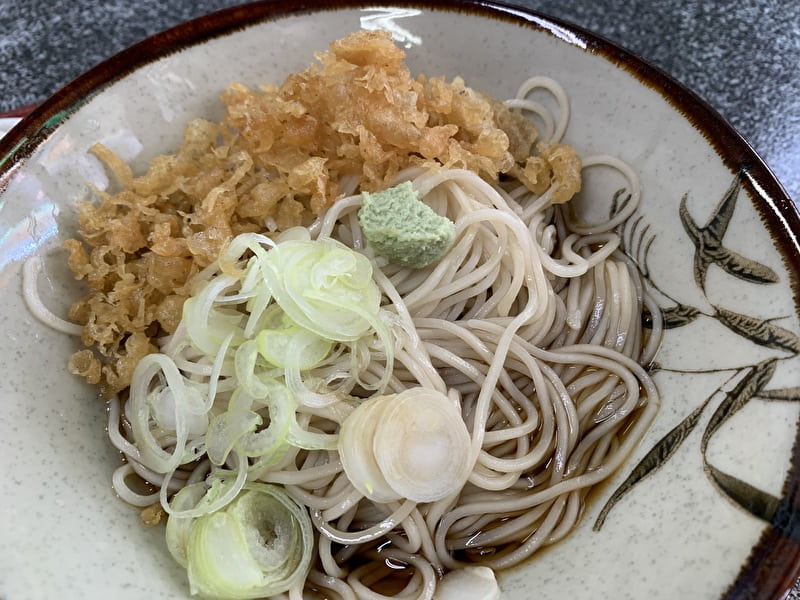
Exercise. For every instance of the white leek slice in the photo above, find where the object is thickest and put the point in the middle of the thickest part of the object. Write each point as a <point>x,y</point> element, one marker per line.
<point>411,445</point>
<point>224,487</point>
<point>468,583</point>
<point>225,431</point>
<point>287,345</point>
<point>256,307</point>
<point>182,401</point>
<point>293,233</point>
<point>356,438</point>
<point>208,325</point>
<point>282,408</point>
<point>422,446</point>
<point>179,528</point>
<point>273,440</point>
<point>218,562</point>
<point>234,251</point>
<point>189,504</point>
<point>249,372</point>
<point>323,286</point>
<point>258,546</point>
<point>307,396</point>
<point>162,405</point>
<point>311,440</point>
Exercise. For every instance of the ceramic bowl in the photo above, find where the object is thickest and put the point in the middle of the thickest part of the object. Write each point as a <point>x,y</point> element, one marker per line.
<point>715,512</point>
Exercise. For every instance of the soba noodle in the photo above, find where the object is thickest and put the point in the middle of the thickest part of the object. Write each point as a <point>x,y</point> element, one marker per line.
<point>530,325</point>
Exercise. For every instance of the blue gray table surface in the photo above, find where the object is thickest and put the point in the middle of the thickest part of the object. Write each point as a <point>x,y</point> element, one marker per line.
<point>741,56</point>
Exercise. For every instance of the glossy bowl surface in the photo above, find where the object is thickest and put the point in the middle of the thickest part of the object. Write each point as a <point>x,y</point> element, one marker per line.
<point>718,518</point>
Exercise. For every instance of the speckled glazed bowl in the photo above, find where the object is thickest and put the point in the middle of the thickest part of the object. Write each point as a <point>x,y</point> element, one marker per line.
<point>713,509</point>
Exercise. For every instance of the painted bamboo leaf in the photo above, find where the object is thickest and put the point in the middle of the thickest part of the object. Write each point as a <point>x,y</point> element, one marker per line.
<point>644,253</point>
<point>655,458</point>
<point>644,241</point>
<point>750,385</point>
<point>696,234</point>
<point>708,243</point>
<point>734,263</point>
<point>673,316</point>
<point>717,223</point>
<point>638,239</point>
<point>618,202</point>
<point>678,316</point>
<point>745,268</point>
<point>759,331</point>
<point>639,245</point>
<point>633,233</point>
<point>791,394</point>
<point>755,501</point>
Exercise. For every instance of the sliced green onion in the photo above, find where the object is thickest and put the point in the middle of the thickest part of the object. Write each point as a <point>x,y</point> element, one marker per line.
<point>179,528</point>
<point>356,437</point>
<point>223,489</point>
<point>273,440</point>
<point>285,344</point>
<point>323,286</point>
<point>411,445</point>
<point>206,325</point>
<point>225,431</point>
<point>245,361</point>
<point>258,546</point>
<point>181,399</point>
<point>264,332</point>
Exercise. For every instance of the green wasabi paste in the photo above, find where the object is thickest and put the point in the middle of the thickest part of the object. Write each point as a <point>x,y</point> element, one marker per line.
<point>403,229</point>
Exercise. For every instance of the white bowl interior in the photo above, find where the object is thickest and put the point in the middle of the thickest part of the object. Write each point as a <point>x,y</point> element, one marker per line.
<point>66,534</point>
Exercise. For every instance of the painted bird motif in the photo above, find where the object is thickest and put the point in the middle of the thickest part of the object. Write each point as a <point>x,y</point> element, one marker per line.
<point>708,242</point>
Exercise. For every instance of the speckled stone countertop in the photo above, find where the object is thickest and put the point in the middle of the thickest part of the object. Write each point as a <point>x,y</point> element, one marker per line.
<point>741,56</point>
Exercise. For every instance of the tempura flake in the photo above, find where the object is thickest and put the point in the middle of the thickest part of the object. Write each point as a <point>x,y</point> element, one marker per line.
<point>277,160</point>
